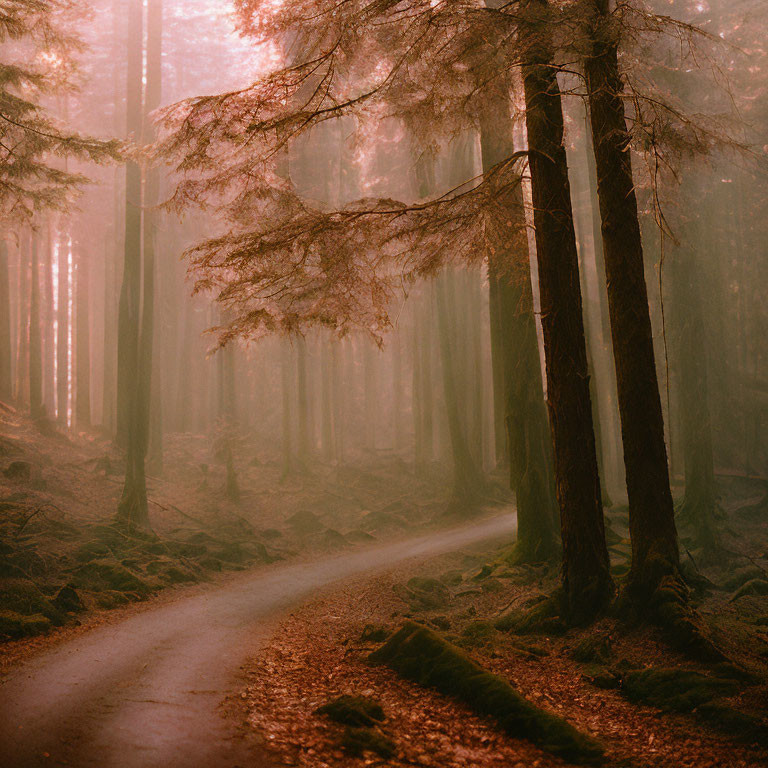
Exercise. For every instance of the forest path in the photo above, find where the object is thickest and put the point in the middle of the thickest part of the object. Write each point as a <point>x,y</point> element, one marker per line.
<point>146,691</point>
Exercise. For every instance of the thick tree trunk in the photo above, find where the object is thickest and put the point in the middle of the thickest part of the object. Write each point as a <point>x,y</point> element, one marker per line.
<point>35,338</point>
<point>6,385</point>
<point>586,576</point>
<point>528,440</point>
<point>652,526</point>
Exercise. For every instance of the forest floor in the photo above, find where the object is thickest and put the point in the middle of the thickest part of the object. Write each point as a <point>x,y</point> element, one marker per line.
<point>645,703</point>
<point>64,562</point>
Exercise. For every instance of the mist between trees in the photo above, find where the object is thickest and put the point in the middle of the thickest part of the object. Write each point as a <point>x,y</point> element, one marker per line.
<point>519,244</point>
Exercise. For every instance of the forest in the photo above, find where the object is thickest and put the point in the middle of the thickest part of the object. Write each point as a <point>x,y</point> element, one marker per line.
<point>383,383</point>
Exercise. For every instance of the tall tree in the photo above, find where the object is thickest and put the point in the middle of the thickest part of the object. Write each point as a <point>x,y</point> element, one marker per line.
<point>6,385</point>
<point>587,583</point>
<point>655,556</point>
<point>35,338</point>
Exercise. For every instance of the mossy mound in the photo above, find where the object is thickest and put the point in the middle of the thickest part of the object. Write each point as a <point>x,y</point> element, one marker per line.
<point>477,633</point>
<point>751,587</point>
<point>602,677</point>
<point>678,690</point>
<point>22,597</point>
<point>305,522</point>
<point>422,656</point>
<point>744,726</point>
<point>541,617</point>
<point>358,741</point>
<point>593,649</point>
<point>102,575</point>
<point>14,625</point>
<point>423,592</point>
<point>374,634</point>
<point>356,711</point>
<point>742,576</point>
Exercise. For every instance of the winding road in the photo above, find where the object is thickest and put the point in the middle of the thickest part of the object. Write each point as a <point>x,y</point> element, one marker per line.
<point>145,692</point>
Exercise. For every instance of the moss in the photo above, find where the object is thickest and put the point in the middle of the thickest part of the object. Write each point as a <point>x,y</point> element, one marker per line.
<point>358,741</point>
<point>357,711</point>
<point>430,593</point>
<point>602,677</point>
<point>452,578</point>
<point>678,690</point>
<point>102,575</point>
<point>68,600</point>
<point>373,634</point>
<point>742,576</point>
<point>529,650</point>
<point>477,633</point>
<point>211,563</point>
<point>740,725</point>
<point>177,576</point>
<point>542,618</point>
<point>752,587</point>
<point>420,655</point>
<point>91,550</point>
<point>22,597</point>
<point>593,649</point>
<point>109,600</point>
<point>14,625</point>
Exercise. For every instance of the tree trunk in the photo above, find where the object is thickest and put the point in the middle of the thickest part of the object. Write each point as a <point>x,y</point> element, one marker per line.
<point>651,516</point>
<point>130,294</point>
<point>700,500</point>
<point>6,385</point>
<point>62,332</point>
<point>83,361</point>
<point>528,441</point>
<point>587,583</point>
<point>35,338</point>
<point>21,385</point>
<point>467,479</point>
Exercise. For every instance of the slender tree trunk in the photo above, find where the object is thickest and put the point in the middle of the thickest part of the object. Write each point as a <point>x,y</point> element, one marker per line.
<point>286,366</point>
<point>700,500</point>
<point>130,294</point>
<point>49,349</point>
<point>654,537</point>
<point>6,385</point>
<point>303,448</point>
<point>587,583</point>
<point>62,332</point>
<point>83,361</point>
<point>35,339</point>
<point>22,326</point>
<point>497,370</point>
<point>326,396</point>
<point>467,479</point>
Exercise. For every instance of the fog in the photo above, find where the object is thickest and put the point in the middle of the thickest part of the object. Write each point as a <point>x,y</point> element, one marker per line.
<point>270,268</point>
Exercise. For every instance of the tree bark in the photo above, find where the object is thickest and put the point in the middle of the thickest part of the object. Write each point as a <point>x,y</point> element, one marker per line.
<point>651,515</point>
<point>83,360</point>
<point>35,338</point>
<point>524,414</point>
<point>587,583</point>
<point>6,385</point>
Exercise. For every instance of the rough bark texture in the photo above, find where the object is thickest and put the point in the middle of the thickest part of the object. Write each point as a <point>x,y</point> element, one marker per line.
<point>523,409</point>
<point>587,584</point>
<point>652,526</point>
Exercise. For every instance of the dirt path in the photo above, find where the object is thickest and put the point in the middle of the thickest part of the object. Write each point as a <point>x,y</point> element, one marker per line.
<point>147,691</point>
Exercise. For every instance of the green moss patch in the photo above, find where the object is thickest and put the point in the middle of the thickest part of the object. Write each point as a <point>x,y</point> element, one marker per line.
<point>358,741</point>
<point>422,656</point>
<point>15,625</point>
<point>22,597</point>
<point>593,649</point>
<point>102,575</point>
<point>678,690</point>
<point>355,711</point>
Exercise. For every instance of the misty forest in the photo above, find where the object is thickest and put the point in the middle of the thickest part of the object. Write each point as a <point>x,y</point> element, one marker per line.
<point>383,383</point>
